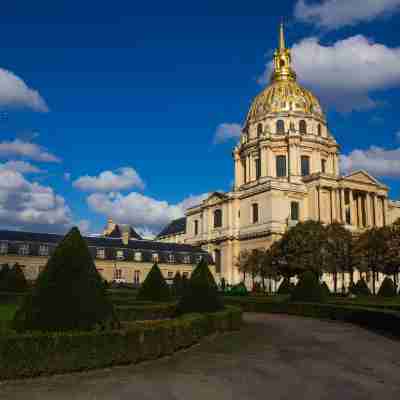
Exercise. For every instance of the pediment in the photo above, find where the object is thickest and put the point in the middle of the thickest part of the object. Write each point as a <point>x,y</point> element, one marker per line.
<point>362,177</point>
<point>214,198</point>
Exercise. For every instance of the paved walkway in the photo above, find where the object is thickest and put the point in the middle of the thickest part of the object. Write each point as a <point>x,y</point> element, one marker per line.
<point>273,357</point>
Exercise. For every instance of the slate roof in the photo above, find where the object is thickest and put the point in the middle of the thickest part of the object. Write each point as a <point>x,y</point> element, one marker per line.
<point>122,228</point>
<point>175,227</point>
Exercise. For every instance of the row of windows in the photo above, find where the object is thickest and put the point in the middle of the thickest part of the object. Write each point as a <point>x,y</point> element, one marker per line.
<point>118,274</point>
<point>305,166</point>
<point>24,250</point>
<point>280,128</point>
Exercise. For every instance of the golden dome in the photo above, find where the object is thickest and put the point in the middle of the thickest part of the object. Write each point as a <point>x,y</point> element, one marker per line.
<point>284,94</point>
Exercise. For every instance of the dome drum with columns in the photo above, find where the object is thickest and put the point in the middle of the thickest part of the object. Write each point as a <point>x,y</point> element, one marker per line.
<point>286,169</point>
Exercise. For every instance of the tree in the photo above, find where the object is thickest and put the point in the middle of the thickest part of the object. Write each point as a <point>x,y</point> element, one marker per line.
<point>267,268</point>
<point>339,253</point>
<point>372,251</point>
<point>308,289</point>
<point>300,249</point>
<point>392,263</point>
<point>154,287</point>
<point>201,295</point>
<point>14,280</point>
<point>387,288</point>
<point>254,265</point>
<point>286,287</point>
<point>69,294</point>
<point>242,263</point>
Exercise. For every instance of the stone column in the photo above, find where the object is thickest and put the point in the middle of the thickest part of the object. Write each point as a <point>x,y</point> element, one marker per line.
<point>248,168</point>
<point>375,209</point>
<point>353,215</point>
<point>368,209</point>
<point>359,209</point>
<point>319,202</point>
<point>385,210</point>
<point>333,204</point>
<point>270,162</point>
<point>342,206</point>
<point>237,172</point>
<point>264,161</point>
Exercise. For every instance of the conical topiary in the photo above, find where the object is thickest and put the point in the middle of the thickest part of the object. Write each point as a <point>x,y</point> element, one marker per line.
<point>286,287</point>
<point>201,294</point>
<point>387,288</point>
<point>360,288</point>
<point>4,271</point>
<point>69,294</point>
<point>14,280</point>
<point>154,287</point>
<point>308,289</point>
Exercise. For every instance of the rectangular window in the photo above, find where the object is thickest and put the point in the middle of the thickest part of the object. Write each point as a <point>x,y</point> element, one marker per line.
<point>294,211</point>
<point>120,255</point>
<point>280,166</point>
<point>323,166</point>
<point>3,248</point>
<point>136,277</point>
<point>217,218</point>
<point>154,257</point>
<point>171,258</point>
<point>305,165</point>
<point>257,162</point>
<point>23,249</point>
<point>186,259</point>
<point>196,227</point>
<point>100,253</point>
<point>43,250</point>
<point>138,256</point>
<point>254,209</point>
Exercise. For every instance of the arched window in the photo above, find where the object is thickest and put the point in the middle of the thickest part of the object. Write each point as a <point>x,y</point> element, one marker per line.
<point>217,218</point>
<point>280,127</point>
<point>259,130</point>
<point>319,130</point>
<point>303,127</point>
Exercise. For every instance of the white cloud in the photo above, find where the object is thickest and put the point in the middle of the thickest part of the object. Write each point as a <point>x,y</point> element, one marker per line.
<point>227,131</point>
<point>345,74</point>
<point>375,160</point>
<point>107,181</point>
<point>333,14</point>
<point>30,206</point>
<point>28,150</point>
<point>14,92</point>
<point>144,213</point>
<point>84,226</point>
<point>23,167</point>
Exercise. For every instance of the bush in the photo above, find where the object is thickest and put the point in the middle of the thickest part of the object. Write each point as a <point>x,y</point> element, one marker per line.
<point>154,287</point>
<point>308,289</point>
<point>238,290</point>
<point>360,288</point>
<point>201,294</point>
<point>286,287</point>
<point>37,354</point>
<point>149,311</point>
<point>387,288</point>
<point>69,294</point>
<point>325,288</point>
<point>13,279</point>
<point>177,285</point>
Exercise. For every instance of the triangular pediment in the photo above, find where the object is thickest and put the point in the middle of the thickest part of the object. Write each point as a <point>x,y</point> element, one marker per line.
<point>362,177</point>
<point>215,197</point>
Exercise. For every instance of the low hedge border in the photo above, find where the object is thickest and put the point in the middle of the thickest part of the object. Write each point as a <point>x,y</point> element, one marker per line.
<point>383,321</point>
<point>36,354</point>
<point>149,311</point>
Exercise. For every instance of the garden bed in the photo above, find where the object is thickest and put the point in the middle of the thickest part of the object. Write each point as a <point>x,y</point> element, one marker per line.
<point>35,354</point>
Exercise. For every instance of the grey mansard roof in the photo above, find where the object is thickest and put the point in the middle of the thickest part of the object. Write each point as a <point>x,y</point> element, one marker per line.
<point>175,227</point>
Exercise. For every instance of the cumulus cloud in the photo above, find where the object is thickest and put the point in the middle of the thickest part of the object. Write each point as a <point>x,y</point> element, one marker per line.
<point>345,74</point>
<point>145,213</point>
<point>14,92</point>
<point>333,14</point>
<point>227,131</point>
<point>107,181</point>
<point>30,206</point>
<point>23,167</point>
<point>84,226</point>
<point>376,160</point>
<point>25,149</point>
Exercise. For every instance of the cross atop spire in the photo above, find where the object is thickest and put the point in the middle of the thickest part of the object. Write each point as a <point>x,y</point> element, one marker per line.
<point>282,45</point>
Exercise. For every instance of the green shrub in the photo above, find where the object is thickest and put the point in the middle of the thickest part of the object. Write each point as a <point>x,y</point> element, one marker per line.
<point>49,353</point>
<point>286,287</point>
<point>4,272</point>
<point>201,294</point>
<point>387,288</point>
<point>154,287</point>
<point>238,290</point>
<point>325,288</point>
<point>69,294</point>
<point>360,288</point>
<point>13,279</point>
<point>177,285</point>
<point>308,289</point>
<point>149,311</point>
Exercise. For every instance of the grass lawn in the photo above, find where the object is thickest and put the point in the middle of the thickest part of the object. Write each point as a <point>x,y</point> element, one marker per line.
<point>7,311</point>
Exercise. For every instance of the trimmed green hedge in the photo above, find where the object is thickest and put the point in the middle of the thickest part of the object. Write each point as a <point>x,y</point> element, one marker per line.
<point>36,354</point>
<point>377,320</point>
<point>145,311</point>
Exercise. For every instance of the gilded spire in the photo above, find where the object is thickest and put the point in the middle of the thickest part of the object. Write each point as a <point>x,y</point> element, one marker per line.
<point>282,60</point>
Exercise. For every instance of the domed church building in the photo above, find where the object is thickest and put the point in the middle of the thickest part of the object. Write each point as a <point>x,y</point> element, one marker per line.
<point>286,169</point>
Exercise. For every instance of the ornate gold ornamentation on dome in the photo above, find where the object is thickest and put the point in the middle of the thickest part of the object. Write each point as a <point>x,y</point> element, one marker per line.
<point>284,94</point>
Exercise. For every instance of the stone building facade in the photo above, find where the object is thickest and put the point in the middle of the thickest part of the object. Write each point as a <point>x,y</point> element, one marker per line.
<point>286,169</point>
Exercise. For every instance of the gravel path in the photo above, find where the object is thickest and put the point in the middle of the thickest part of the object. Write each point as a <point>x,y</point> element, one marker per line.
<point>272,357</point>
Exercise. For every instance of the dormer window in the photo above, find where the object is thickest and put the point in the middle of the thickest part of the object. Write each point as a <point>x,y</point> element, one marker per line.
<point>120,255</point>
<point>23,249</point>
<point>43,250</point>
<point>100,253</point>
<point>155,257</point>
<point>138,256</point>
<point>3,248</point>
<point>171,258</point>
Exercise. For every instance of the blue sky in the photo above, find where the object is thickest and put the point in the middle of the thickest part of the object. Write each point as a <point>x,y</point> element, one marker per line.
<point>126,99</point>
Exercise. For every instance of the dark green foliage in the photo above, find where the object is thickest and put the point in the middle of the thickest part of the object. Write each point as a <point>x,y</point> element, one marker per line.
<point>201,294</point>
<point>4,272</point>
<point>154,287</point>
<point>69,294</point>
<point>387,288</point>
<point>360,288</point>
<point>13,279</point>
<point>286,287</point>
<point>223,284</point>
<point>239,290</point>
<point>40,354</point>
<point>308,289</point>
<point>325,288</point>
<point>177,285</point>
<point>145,312</point>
